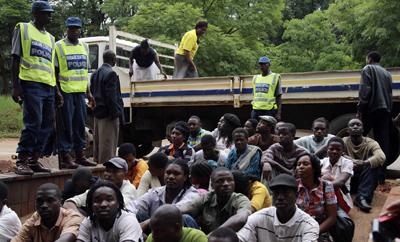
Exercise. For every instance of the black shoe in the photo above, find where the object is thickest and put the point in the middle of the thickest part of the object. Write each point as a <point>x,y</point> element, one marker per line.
<point>362,204</point>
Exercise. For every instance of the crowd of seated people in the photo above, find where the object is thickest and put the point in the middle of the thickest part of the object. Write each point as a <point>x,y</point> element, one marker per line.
<point>252,183</point>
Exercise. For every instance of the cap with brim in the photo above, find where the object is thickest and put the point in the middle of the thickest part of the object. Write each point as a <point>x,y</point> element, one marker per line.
<point>41,6</point>
<point>271,120</point>
<point>73,22</point>
<point>233,119</point>
<point>117,162</point>
<point>284,180</point>
<point>264,59</point>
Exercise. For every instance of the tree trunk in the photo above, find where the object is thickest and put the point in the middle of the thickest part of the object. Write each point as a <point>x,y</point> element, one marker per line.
<point>3,72</point>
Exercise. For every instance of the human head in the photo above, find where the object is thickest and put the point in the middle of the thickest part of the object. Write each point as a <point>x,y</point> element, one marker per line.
<point>200,173</point>
<point>48,201</point>
<point>250,126</point>
<point>315,165</point>
<point>240,138</point>
<point>222,182</point>
<point>157,163</point>
<point>166,224</point>
<point>82,179</point>
<point>319,129</point>
<point>177,174</point>
<point>104,196</point>
<point>74,27</point>
<point>277,126</point>
<point>180,133</point>
<point>127,151</point>
<point>242,181</point>
<point>373,57</point>
<point>264,63</point>
<point>3,194</point>
<point>223,234</point>
<point>266,124</point>
<point>116,169</point>
<point>286,134</point>
<point>109,57</point>
<point>355,127</point>
<point>335,149</point>
<point>201,27</point>
<point>42,12</point>
<point>194,123</point>
<point>284,189</point>
<point>144,47</point>
<point>229,122</point>
<point>208,143</point>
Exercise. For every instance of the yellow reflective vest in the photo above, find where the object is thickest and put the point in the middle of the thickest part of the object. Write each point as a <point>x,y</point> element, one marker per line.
<point>37,60</point>
<point>264,91</point>
<point>73,64</point>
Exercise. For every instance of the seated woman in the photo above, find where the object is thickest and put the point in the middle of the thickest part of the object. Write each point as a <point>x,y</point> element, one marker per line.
<point>244,157</point>
<point>223,134</point>
<point>200,173</point>
<point>338,170</point>
<point>154,176</point>
<point>177,191</point>
<point>256,192</point>
<point>178,147</point>
<point>208,152</point>
<point>250,126</point>
<point>316,197</point>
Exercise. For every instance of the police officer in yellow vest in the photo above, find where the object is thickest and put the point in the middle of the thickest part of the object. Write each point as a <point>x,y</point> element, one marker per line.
<point>267,91</point>
<point>71,65</point>
<point>34,85</point>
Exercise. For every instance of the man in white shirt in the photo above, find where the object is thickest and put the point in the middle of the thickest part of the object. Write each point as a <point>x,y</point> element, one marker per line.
<point>116,169</point>
<point>284,222</point>
<point>9,221</point>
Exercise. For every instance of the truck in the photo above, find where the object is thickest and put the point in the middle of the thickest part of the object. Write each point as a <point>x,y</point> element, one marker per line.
<point>152,107</point>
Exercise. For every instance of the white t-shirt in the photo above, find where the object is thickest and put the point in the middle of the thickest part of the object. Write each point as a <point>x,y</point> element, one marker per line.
<point>127,189</point>
<point>264,225</point>
<point>126,227</point>
<point>343,165</point>
<point>221,157</point>
<point>9,223</point>
<point>147,182</point>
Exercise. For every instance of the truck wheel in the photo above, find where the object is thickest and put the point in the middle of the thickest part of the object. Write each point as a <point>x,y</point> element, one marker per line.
<point>89,131</point>
<point>143,149</point>
<point>338,127</point>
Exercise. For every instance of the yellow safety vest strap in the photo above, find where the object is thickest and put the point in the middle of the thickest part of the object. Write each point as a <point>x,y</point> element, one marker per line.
<point>60,49</point>
<point>35,66</point>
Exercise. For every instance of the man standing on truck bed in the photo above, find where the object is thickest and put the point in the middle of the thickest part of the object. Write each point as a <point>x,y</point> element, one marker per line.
<point>375,104</point>
<point>34,85</point>
<point>267,91</point>
<point>143,68</point>
<point>71,65</point>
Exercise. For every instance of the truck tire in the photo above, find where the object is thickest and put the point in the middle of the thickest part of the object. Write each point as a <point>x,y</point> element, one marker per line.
<point>143,149</point>
<point>338,127</point>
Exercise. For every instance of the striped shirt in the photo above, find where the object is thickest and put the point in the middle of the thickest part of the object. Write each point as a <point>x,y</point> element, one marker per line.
<point>194,141</point>
<point>275,152</point>
<point>264,225</point>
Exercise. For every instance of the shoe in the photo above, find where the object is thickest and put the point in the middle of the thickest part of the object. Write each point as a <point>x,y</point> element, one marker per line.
<point>362,204</point>
<point>35,165</point>
<point>66,162</point>
<point>21,167</point>
<point>81,159</point>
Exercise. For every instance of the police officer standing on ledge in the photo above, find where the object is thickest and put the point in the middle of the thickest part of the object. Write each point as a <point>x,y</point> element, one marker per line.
<point>34,85</point>
<point>71,66</point>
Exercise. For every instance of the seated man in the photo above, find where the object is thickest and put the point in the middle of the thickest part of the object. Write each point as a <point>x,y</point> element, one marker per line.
<point>280,157</point>
<point>244,157</point>
<point>50,222</point>
<point>264,137</point>
<point>317,143</point>
<point>154,176</point>
<point>116,169</point>
<point>196,132</point>
<point>223,234</point>
<point>209,152</point>
<point>284,221</point>
<point>221,207</point>
<point>108,220</point>
<point>9,221</point>
<point>367,157</point>
<point>166,224</point>
<point>82,179</point>
<point>250,126</point>
<point>136,167</point>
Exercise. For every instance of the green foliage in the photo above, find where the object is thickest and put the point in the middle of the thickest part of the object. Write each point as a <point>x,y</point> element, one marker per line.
<point>11,122</point>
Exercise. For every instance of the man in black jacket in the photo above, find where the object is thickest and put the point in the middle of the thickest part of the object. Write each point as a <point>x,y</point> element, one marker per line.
<point>109,110</point>
<point>375,104</point>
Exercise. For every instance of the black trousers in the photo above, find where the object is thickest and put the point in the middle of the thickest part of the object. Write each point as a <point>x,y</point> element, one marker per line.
<point>364,182</point>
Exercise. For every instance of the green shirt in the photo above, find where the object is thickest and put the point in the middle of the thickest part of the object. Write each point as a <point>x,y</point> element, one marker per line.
<point>213,217</point>
<point>188,235</point>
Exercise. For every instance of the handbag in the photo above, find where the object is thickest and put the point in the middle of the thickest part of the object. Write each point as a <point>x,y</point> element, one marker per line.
<point>343,229</point>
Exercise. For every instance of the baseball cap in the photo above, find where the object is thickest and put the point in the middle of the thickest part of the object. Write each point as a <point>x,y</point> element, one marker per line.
<point>41,6</point>
<point>285,180</point>
<point>271,120</point>
<point>264,59</point>
<point>72,21</point>
<point>117,162</point>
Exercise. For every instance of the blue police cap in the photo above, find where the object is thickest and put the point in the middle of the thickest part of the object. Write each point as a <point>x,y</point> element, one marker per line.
<point>73,22</point>
<point>264,59</point>
<point>41,6</point>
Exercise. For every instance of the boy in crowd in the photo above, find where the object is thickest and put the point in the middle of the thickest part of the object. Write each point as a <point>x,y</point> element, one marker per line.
<point>154,176</point>
<point>196,132</point>
<point>50,222</point>
<point>209,152</point>
<point>9,221</point>
<point>136,167</point>
<point>264,137</point>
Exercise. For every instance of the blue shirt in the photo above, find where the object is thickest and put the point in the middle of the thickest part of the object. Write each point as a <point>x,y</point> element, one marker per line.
<point>192,142</point>
<point>254,166</point>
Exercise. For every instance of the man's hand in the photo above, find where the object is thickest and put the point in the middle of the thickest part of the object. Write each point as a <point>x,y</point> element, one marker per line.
<point>165,75</point>
<point>358,164</point>
<point>267,169</point>
<point>15,94</point>
<point>192,66</point>
<point>130,72</point>
<point>278,117</point>
<point>397,122</point>
<point>359,117</point>
<point>92,102</point>
<point>59,98</point>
